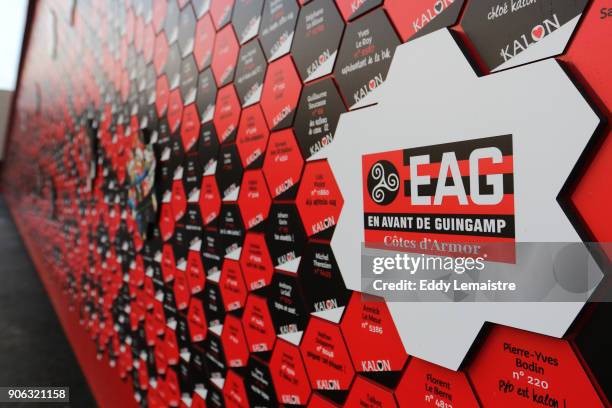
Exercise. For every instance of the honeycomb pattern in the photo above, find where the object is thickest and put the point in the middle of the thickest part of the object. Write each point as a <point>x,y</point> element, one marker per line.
<point>158,162</point>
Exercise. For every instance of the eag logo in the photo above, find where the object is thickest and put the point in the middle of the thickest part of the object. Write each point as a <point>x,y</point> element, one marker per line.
<point>383,182</point>
<point>462,190</point>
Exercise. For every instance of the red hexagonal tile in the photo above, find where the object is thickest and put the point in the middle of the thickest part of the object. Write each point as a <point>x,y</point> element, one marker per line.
<point>210,200</point>
<point>426,382</point>
<point>592,67</point>
<point>195,272</point>
<point>225,55</point>
<point>227,113</point>
<point>204,42</point>
<point>252,137</point>
<point>179,199</point>
<point>231,283</point>
<point>190,127</point>
<point>367,321</point>
<point>289,374</point>
<point>318,401</point>
<point>166,221</point>
<point>196,320</point>
<point>255,261</point>
<point>234,391</point>
<point>327,359</point>
<point>168,263</point>
<point>254,200</point>
<point>234,342</point>
<point>592,197</point>
<point>514,367</point>
<point>365,392</point>
<point>257,324</point>
<point>280,94</point>
<point>319,199</point>
<point>181,289</point>
<point>282,164</point>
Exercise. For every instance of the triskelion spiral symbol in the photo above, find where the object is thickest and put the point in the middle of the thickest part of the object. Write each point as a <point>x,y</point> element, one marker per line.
<point>383,182</point>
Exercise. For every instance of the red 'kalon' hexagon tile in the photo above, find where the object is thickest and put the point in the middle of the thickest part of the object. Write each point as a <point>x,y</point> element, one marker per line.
<point>319,199</point>
<point>234,391</point>
<point>317,401</point>
<point>252,137</point>
<point>367,321</point>
<point>210,200</point>
<point>231,284</point>
<point>327,359</point>
<point>195,272</point>
<point>227,113</point>
<point>181,289</point>
<point>593,197</point>
<point>234,342</point>
<point>204,42</point>
<point>166,221</point>
<point>367,393</point>
<point>591,66</point>
<point>254,200</point>
<point>282,164</point>
<point>196,320</point>
<point>515,366</point>
<point>289,374</point>
<point>225,55</point>
<point>167,263</point>
<point>257,324</point>
<point>426,382</point>
<point>179,199</point>
<point>255,261</point>
<point>280,94</point>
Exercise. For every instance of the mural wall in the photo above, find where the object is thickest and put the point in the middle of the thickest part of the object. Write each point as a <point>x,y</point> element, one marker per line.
<point>164,170</point>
